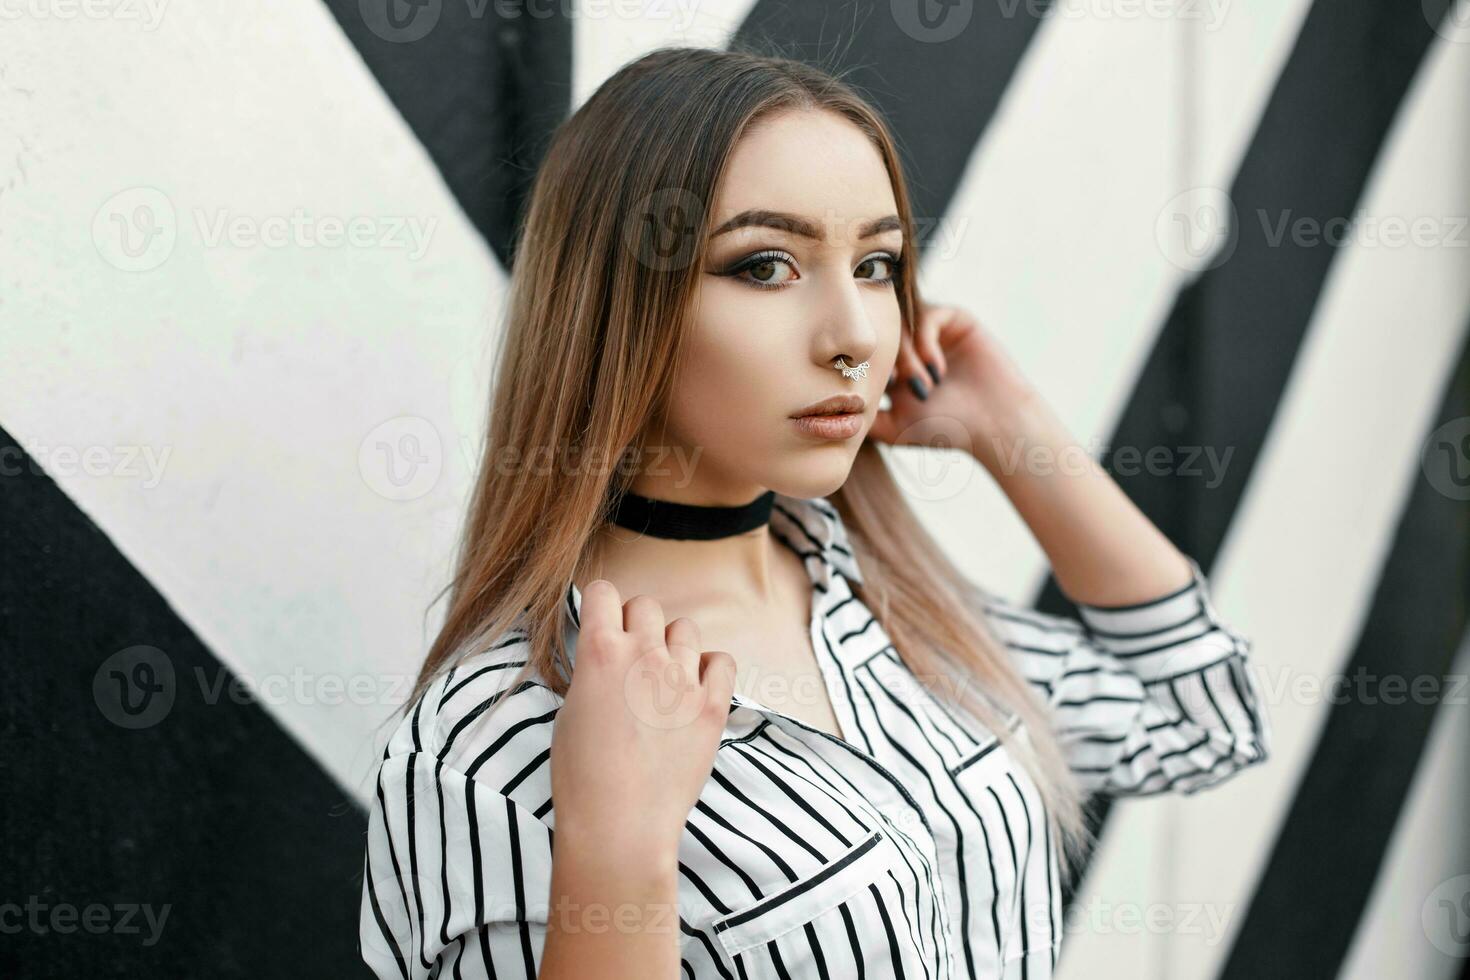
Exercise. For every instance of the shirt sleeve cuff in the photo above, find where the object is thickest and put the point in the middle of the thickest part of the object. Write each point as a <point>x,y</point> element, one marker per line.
<point>1173,634</point>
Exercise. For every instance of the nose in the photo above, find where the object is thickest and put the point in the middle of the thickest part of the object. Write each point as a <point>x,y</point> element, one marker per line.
<point>847,331</point>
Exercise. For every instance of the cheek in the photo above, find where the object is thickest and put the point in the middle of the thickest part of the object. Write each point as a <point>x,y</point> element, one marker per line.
<point>888,342</point>
<point>735,377</point>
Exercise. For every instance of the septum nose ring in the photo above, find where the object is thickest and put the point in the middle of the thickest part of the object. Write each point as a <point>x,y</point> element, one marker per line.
<point>851,373</point>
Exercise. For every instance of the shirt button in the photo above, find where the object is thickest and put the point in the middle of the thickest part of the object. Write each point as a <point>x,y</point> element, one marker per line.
<point>907,819</point>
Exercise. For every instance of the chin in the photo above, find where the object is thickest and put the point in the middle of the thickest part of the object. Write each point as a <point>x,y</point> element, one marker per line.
<point>814,474</point>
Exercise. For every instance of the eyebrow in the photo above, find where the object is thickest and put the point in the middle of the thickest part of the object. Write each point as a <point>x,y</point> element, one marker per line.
<point>797,225</point>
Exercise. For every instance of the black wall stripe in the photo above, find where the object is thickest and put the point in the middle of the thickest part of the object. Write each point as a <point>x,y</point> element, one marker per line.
<point>1331,846</point>
<point>204,814</point>
<point>937,80</point>
<point>1216,374</point>
<point>482,85</point>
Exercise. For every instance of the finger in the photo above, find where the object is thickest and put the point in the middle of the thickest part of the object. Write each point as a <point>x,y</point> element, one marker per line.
<point>643,618</point>
<point>682,639</point>
<point>927,343</point>
<point>682,632</point>
<point>884,427</point>
<point>602,609</point>
<point>911,368</point>
<point>717,674</point>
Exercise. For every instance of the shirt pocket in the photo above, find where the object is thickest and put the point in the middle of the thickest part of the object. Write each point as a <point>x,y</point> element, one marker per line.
<point>956,734</point>
<point>801,902</point>
<point>981,764</point>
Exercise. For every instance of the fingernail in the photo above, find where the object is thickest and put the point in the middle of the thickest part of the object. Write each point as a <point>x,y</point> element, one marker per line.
<point>919,389</point>
<point>933,372</point>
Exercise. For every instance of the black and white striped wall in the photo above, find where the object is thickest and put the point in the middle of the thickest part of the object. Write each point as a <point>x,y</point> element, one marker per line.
<point>252,258</point>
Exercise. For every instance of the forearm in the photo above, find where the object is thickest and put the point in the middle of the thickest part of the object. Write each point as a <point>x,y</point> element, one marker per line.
<point>614,911</point>
<point>1102,549</point>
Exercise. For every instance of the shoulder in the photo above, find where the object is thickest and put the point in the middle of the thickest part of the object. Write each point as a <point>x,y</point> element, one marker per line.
<point>486,717</point>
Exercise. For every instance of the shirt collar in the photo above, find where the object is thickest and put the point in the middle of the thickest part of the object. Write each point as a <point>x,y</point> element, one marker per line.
<point>813,528</point>
<point>810,526</point>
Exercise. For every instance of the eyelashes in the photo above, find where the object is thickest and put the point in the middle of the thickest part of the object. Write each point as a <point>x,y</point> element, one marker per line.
<point>760,262</point>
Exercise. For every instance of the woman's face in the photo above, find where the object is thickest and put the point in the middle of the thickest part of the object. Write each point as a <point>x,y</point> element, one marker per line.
<point>800,272</point>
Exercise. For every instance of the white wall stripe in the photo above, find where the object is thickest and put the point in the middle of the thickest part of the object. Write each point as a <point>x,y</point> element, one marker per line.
<point>603,40</point>
<point>261,370</point>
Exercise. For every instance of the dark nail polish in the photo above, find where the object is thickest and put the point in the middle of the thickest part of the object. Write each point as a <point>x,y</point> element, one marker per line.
<point>933,372</point>
<point>919,389</point>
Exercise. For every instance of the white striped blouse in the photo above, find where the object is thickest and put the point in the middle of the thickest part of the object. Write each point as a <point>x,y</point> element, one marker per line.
<point>919,849</point>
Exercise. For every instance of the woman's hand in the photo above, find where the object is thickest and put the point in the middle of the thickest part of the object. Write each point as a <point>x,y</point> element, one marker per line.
<point>1103,549</point>
<point>953,379</point>
<point>631,748</point>
<point>635,739</point>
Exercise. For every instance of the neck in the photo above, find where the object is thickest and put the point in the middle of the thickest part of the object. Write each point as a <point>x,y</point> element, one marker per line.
<point>686,574</point>
<point>690,522</point>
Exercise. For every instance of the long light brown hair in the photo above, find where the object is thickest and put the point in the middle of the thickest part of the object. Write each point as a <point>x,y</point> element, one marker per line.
<point>606,264</point>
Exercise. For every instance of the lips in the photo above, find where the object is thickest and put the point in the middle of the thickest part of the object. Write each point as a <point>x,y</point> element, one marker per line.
<point>836,405</point>
<point>836,418</point>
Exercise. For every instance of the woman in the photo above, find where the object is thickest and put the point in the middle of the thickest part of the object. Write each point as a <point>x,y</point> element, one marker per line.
<point>796,742</point>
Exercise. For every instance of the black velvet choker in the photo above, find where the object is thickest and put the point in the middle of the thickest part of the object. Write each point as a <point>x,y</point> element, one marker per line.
<point>690,522</point>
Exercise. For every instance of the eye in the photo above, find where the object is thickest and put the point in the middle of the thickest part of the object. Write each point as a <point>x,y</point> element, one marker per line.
<point>765,269</point>
<point>887,263</point>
